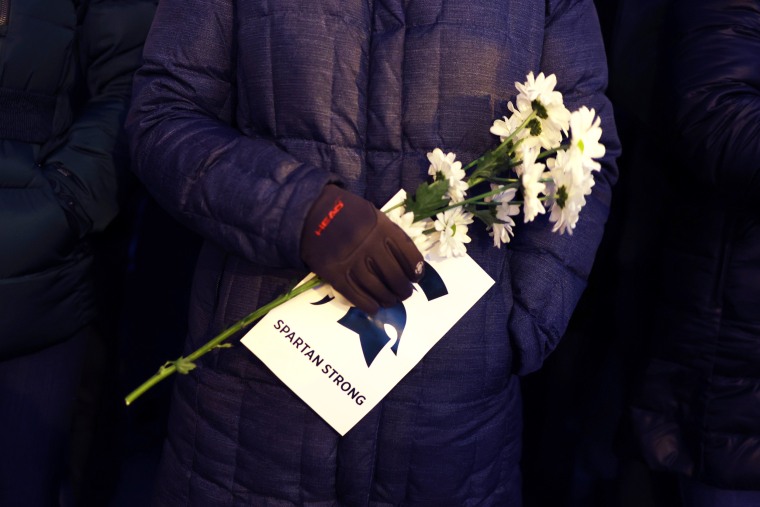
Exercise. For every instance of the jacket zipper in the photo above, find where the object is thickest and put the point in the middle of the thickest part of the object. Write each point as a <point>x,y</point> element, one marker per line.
<point>5,6</point>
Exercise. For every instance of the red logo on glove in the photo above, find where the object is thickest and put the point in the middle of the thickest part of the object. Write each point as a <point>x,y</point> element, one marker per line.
<point>329,217</point>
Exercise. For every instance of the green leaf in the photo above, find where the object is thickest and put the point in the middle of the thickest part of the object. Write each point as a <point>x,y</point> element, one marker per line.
<point>184,365</point>
<point>428,199</point>
<point>486,216</point>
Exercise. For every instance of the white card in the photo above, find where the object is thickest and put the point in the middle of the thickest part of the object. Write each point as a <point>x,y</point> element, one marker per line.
<point>341,362</point>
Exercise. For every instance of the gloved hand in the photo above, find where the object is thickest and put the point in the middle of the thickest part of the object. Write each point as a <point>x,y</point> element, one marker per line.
<point>355,248</point>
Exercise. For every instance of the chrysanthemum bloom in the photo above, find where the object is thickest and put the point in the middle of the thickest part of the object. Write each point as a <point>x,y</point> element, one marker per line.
<point>569,193</point>
<point>451,236</point>
<point>505,127</point>
<point>531,173</point>
<point>552,118</point>
<point>415,230</point>
<point>448,168</point>
<point>584,142</point>
<point>501,231</point>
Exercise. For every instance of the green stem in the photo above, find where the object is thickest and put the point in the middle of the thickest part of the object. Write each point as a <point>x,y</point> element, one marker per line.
<point>553,151</point>
<point>504,143</point>
<point>171,367</point>
<point>506,181</point>
<point>399,205</point>
<point>476,199</point>
<point>187,363</point>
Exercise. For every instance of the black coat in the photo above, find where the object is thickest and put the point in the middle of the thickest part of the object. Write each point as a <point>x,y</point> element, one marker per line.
<point>65,81</point>
<point>698,412</point>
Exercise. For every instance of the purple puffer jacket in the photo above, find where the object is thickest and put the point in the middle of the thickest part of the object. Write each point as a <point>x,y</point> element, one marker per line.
<point>242,113</point>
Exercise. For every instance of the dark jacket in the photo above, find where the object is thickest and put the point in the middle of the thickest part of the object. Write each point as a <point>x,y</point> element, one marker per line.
<point>65,78</point>
<point>698,410</point>
<point>243,111</point>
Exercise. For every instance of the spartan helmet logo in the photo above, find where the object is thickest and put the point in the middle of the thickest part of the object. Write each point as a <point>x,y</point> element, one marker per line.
<point>375,332</point>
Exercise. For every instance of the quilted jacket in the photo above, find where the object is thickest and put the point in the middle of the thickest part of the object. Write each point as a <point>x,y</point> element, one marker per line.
<point>65,79</point>
<point>698,409</point>
<point>242,112</point>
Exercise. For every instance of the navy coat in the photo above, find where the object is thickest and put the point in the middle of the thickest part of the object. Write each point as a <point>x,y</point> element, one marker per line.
<point>242,113</point>
<point>697,412</point>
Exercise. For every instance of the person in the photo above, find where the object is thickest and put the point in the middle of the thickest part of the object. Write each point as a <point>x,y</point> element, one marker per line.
<point>696,413</point>
<point>249,121</point>
<point>65,81</point>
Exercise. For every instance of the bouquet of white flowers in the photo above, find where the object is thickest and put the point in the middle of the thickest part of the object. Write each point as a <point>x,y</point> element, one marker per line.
<point>545,161</point>
<point>530,163</point>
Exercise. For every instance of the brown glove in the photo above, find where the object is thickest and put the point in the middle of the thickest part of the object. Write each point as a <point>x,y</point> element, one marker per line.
<point>355,248</point>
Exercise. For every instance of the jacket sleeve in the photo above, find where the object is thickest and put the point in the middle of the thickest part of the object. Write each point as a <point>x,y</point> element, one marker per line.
<point>549,271</point>
<point>87,169</point>
<point>716,75</point>
<point>244,193</point>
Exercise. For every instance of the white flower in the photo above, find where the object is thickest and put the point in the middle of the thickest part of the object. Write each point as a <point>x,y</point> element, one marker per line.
<point>502,232</point>
<point>568,193</point>
<point>451,236</point>
<point>584,142</point>
<point>539,88</point>
<point>448,168</point>
<point>531,173</point>
<point>553,118</point>
<point>415,230</point>
<point>505,127</point>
